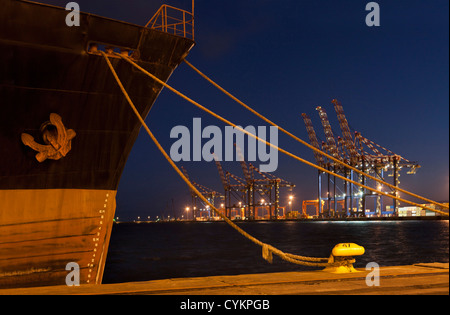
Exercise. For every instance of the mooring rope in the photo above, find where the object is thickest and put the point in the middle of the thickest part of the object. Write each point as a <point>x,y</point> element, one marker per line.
<point>276,147</point>
<point>306,143</point>
<point>267,250</point>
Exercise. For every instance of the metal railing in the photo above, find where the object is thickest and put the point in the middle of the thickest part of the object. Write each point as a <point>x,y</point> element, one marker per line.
<point>174,21</point>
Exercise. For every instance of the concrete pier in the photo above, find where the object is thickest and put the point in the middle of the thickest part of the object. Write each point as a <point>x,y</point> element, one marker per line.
<point>419,279</point>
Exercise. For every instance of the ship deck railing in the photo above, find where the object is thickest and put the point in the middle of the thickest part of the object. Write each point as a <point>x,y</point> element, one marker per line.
<point>174,21</point>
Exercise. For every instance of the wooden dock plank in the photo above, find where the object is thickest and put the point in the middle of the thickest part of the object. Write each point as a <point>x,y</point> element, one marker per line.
<point>394,280</point>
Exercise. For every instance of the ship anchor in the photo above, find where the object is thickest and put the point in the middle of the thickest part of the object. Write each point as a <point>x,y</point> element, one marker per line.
<point>58,140</point>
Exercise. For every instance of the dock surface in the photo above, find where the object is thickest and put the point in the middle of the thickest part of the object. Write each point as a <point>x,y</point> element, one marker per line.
<point>419,279</point>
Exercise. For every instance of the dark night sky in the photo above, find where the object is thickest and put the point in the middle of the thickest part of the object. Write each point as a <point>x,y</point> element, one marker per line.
<point>287,57</point>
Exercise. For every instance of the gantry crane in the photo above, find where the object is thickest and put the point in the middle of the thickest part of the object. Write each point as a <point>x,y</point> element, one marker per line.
<point>236,190</point>
<point>333,150</point>
<point>361,153</point>
<point>269,185</point>
<point>348,143</point>
<point>250,185</point>
<point>210,194</point>
<point>266,185</point>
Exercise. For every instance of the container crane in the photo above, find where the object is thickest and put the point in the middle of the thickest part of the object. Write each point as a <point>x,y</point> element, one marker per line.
<point>334,152</point>
<point>209,194</point>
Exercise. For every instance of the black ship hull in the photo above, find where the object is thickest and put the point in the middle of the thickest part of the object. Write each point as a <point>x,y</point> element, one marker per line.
<point>56,209</point>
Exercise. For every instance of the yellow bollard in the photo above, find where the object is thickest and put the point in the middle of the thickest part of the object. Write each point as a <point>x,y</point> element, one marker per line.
<point>342,256</point>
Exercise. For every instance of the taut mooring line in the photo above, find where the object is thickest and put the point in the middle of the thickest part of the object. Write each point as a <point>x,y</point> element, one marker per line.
<point>267,249</point>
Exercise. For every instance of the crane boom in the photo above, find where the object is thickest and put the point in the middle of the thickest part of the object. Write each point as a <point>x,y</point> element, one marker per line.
<point>346,134</point>
<point>331,142</point>
<point>313,139</point>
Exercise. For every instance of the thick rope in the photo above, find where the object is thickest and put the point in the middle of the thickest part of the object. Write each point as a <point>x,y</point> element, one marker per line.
<point>267,249</point>
<point>272,145</point>
<point>305,143</point>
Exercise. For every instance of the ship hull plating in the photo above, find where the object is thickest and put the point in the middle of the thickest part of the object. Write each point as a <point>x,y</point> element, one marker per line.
<point>45,230</point>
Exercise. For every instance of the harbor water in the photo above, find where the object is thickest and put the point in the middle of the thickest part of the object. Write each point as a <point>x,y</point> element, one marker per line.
<point>150,251</point>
